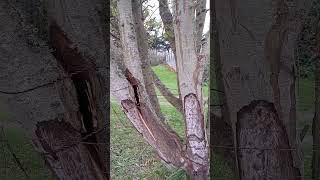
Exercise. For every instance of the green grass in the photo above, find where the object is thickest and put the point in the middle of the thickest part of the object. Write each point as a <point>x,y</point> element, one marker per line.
<point>169,78</point>
<point>30,160</point>
<point>305,95</point>
<point>124,138</point>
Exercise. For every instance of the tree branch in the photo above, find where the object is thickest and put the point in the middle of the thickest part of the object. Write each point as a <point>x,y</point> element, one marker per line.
<point>200,18</point>
<point>171,98</point>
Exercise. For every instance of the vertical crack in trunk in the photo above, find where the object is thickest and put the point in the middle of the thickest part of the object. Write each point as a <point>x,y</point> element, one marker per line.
<point>166,143</point>
<point>85,81</point>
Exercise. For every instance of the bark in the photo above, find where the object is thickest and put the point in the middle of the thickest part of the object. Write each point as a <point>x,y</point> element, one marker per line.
<point>200,12</point>
<point>263,145</point>
<point>167,20</point>
<point>60,104</point>
<point>221,134</point>
<point>316,118</point>
<point>145,59</point>
<point>136,103</point>
<point>257,41</point>
<point>316,126</point>
<point>127,90</point>
<point>171,98</point>
<point>190,69</point>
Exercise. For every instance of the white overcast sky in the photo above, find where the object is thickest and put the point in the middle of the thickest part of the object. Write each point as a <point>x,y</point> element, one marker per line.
<point>155,4</point>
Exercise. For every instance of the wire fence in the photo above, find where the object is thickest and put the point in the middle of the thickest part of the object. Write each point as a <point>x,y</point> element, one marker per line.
<point>13,161</point>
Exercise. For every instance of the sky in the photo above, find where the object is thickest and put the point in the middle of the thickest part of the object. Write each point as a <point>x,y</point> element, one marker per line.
<point>155,4</point>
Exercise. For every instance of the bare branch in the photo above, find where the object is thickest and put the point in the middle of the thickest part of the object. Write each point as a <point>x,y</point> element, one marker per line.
<point>171,98</point>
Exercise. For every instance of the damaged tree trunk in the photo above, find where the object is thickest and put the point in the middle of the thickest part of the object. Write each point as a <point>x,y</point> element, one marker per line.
<point>59,98</point>
<point>129,87</point>
<point>256,43</point>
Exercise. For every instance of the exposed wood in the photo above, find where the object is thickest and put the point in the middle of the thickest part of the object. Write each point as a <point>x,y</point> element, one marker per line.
<point>190,71</point>
<point>127,90</point>
<point>63,120</point>
<point>144,55</point>
<point>263,145</point>
<point>257,41</point>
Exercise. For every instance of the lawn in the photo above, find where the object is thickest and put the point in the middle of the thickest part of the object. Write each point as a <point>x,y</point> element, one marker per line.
<point>131,157</point>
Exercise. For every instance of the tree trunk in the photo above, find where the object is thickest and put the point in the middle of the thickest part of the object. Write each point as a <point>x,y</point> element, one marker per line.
<point>257,41</point>
<point>129,89</point>
<point>167,20</point>
<point>145,59</point>
<point>316,118</point>
<point>316,126</point>
<point>59,98</point>
<point>190,70</point>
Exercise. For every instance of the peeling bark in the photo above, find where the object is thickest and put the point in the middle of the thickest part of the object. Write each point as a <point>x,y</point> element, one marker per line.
<point>197,146</point>
<point>65,116</point>
<point>257,41</point>
<point>190,70</point>
<point>145,58</point>
<point>263,146</point>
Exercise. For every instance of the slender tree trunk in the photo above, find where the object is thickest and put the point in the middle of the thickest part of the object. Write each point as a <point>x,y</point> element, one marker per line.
<point>167,20</point>
<point>256,51</point>
<point>145,59</point>
<point>316,126</point>
<point>190,71</point>
<point>316,118</point>
<point>59,98</point>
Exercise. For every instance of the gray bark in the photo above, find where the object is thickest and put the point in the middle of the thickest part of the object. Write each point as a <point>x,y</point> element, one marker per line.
<point>145,59</point>
<point>42,90</point>
<point>190,70</point>
<point>257,41</point>
<point>316,118</point>
<point>136,104</point>
<point>316,126</point>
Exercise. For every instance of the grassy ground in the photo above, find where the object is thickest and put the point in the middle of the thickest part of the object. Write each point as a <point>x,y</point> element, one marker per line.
<point>131,157</point>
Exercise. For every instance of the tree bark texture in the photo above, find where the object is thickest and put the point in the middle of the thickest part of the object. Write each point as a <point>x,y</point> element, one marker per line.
<point>59,96</point>
<point>316,118</point>
<point>256,41</point>
<point>129,88</point>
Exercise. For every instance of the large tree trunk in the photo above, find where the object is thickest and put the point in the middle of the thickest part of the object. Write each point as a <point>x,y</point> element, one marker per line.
<point>256,51</point>
<point>59,98</point>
